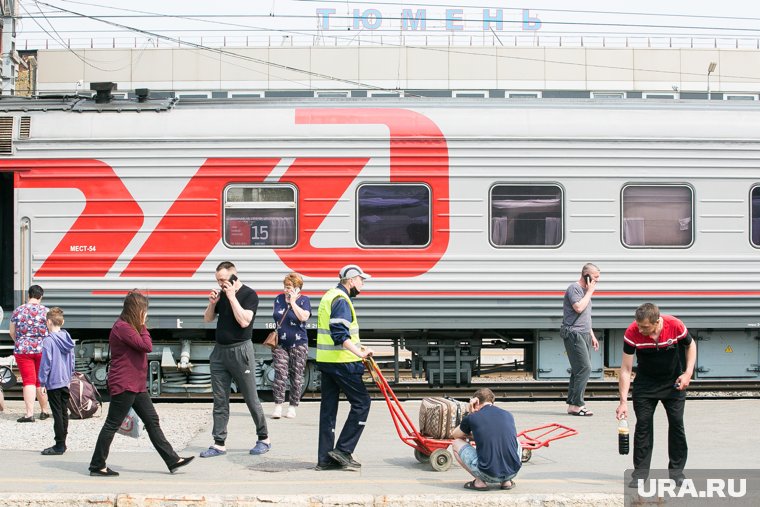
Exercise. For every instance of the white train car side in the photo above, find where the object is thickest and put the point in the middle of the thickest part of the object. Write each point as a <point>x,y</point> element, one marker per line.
<point>472,216</point>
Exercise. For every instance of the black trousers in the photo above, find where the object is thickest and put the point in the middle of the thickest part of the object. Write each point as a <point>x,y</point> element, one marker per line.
<point>58,399</point>
<point>337,378</point>
<point>117,411</point>
<point>643,437</point>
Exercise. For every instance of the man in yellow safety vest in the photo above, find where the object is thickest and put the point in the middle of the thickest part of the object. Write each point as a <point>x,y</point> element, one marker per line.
<point>339,359</point>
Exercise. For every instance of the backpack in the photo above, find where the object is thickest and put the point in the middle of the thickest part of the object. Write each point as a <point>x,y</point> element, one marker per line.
<point>84,399</point>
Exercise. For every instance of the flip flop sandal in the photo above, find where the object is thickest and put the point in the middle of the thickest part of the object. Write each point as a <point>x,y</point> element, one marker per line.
<point>584,412</point>
<point>512,484</point>
<point>471,485</point>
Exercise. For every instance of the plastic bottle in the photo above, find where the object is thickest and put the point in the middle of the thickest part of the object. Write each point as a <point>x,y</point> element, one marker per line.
<point>623,437</point>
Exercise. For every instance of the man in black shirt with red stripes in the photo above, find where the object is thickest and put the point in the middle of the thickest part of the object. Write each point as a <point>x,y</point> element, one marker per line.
<point>662,346</point>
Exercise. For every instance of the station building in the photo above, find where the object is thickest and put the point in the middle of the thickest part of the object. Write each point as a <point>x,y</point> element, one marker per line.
<point>492,72</point>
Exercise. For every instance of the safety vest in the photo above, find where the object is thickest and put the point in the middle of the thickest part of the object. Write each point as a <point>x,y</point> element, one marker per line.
<point>327,351</point>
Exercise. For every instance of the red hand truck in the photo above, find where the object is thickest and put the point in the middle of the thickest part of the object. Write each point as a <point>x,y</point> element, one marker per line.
<point>434,450</point>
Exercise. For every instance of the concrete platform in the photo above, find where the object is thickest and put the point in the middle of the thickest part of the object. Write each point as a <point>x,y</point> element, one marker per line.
<point>582,470</point>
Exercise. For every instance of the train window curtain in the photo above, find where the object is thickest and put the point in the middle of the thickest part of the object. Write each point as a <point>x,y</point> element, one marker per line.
<point>657,216</point>
<point>526,215</point>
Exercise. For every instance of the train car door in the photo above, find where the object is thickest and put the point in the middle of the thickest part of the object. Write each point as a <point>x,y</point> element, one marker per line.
<point>6,248</point>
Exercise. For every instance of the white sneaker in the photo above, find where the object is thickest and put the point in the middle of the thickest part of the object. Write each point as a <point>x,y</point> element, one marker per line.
<point>277,411</point>
<point>291,412</point>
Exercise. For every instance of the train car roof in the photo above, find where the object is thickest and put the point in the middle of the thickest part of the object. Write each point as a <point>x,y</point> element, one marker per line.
<point>84,104</point>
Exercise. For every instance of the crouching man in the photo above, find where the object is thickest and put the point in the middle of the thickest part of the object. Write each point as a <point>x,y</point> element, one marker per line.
<point>496,459</point>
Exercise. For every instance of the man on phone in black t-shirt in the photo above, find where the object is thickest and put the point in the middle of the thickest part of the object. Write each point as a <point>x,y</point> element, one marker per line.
<point>662,346</point>
<point>232,357</point>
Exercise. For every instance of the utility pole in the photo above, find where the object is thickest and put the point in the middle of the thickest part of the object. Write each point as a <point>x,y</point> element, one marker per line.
<point>8,69</point>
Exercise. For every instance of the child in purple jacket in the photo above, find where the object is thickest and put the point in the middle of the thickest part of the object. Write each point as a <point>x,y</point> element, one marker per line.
<point>56,368</point>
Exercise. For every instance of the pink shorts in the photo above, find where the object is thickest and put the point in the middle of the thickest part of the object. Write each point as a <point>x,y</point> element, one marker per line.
<point>29,367</point>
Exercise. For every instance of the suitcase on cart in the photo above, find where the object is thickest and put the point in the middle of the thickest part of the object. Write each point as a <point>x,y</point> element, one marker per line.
<point>440,416</point>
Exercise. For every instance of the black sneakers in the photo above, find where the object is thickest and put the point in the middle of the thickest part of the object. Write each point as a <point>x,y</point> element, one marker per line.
<point>107,472</point>
<point>344,458</point>
<point>330,465</point>
<point>53,451</point>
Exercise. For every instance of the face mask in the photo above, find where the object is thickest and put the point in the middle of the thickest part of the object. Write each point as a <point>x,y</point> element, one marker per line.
<point>353,292</point>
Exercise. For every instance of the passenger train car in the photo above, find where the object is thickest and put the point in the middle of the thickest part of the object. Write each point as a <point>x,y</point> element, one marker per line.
<point>472,216</point>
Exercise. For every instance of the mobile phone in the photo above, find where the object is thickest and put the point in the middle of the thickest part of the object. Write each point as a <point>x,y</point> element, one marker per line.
<point>232,279</point>
<point>587,278</point>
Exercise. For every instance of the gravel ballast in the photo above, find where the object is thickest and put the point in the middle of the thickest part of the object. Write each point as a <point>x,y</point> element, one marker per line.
<point>180,423</point>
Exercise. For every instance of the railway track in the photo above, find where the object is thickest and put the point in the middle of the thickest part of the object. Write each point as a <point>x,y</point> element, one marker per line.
<point>535,390</point>
<point>511,390</point>
<point>551,390</point>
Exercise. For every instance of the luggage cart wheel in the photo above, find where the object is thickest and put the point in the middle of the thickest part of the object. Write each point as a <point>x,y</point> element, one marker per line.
<point>441,460</point>
<point>421,457</point>
<point>526,454</point>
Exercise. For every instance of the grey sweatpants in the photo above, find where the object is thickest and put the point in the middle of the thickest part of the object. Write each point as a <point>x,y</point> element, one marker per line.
<point>228,363</point>
<point>578,348</point>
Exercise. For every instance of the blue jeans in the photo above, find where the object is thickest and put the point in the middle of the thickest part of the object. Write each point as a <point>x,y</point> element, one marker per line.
<point>578,348</point>
<point>469,457</point>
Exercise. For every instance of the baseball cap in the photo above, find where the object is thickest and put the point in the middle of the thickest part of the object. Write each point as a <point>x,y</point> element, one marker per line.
<point>351,271</point>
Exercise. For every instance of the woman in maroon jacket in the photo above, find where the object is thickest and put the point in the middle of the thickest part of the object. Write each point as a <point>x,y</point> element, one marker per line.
<point>130,343</point>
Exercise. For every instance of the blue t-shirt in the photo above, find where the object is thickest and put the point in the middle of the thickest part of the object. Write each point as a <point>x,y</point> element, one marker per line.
<point>292,331</point>
<point>496,440</point>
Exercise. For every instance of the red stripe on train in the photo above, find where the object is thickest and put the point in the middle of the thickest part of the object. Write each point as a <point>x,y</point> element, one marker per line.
<point>418,154</point>
<point>104,228</point>
<point>192,228</point>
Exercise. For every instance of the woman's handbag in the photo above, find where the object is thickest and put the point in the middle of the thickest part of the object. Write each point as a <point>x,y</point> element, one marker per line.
<point>273,338</point>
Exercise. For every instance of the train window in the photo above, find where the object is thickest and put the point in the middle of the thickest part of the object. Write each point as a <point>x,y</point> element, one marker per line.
<point>607,95</point>
<point>660,96</point>
<point>755,227</point>
<point>657,216</point>
<point>739,96</point>
<point>383,93</point>
<point>393,215</point>
<point>332,94</point>
<point>260,216</point>
<point>245,94</point>
<point>478,94</point>
<point>194,95</point>
<point>526,215</point>
<point>523,95</point>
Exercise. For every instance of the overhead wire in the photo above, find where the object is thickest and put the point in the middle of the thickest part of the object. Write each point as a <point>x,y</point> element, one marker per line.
<point>137,14</point>
<point>230,53</point>
<point>465,33</point>
<point>64,45</point>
